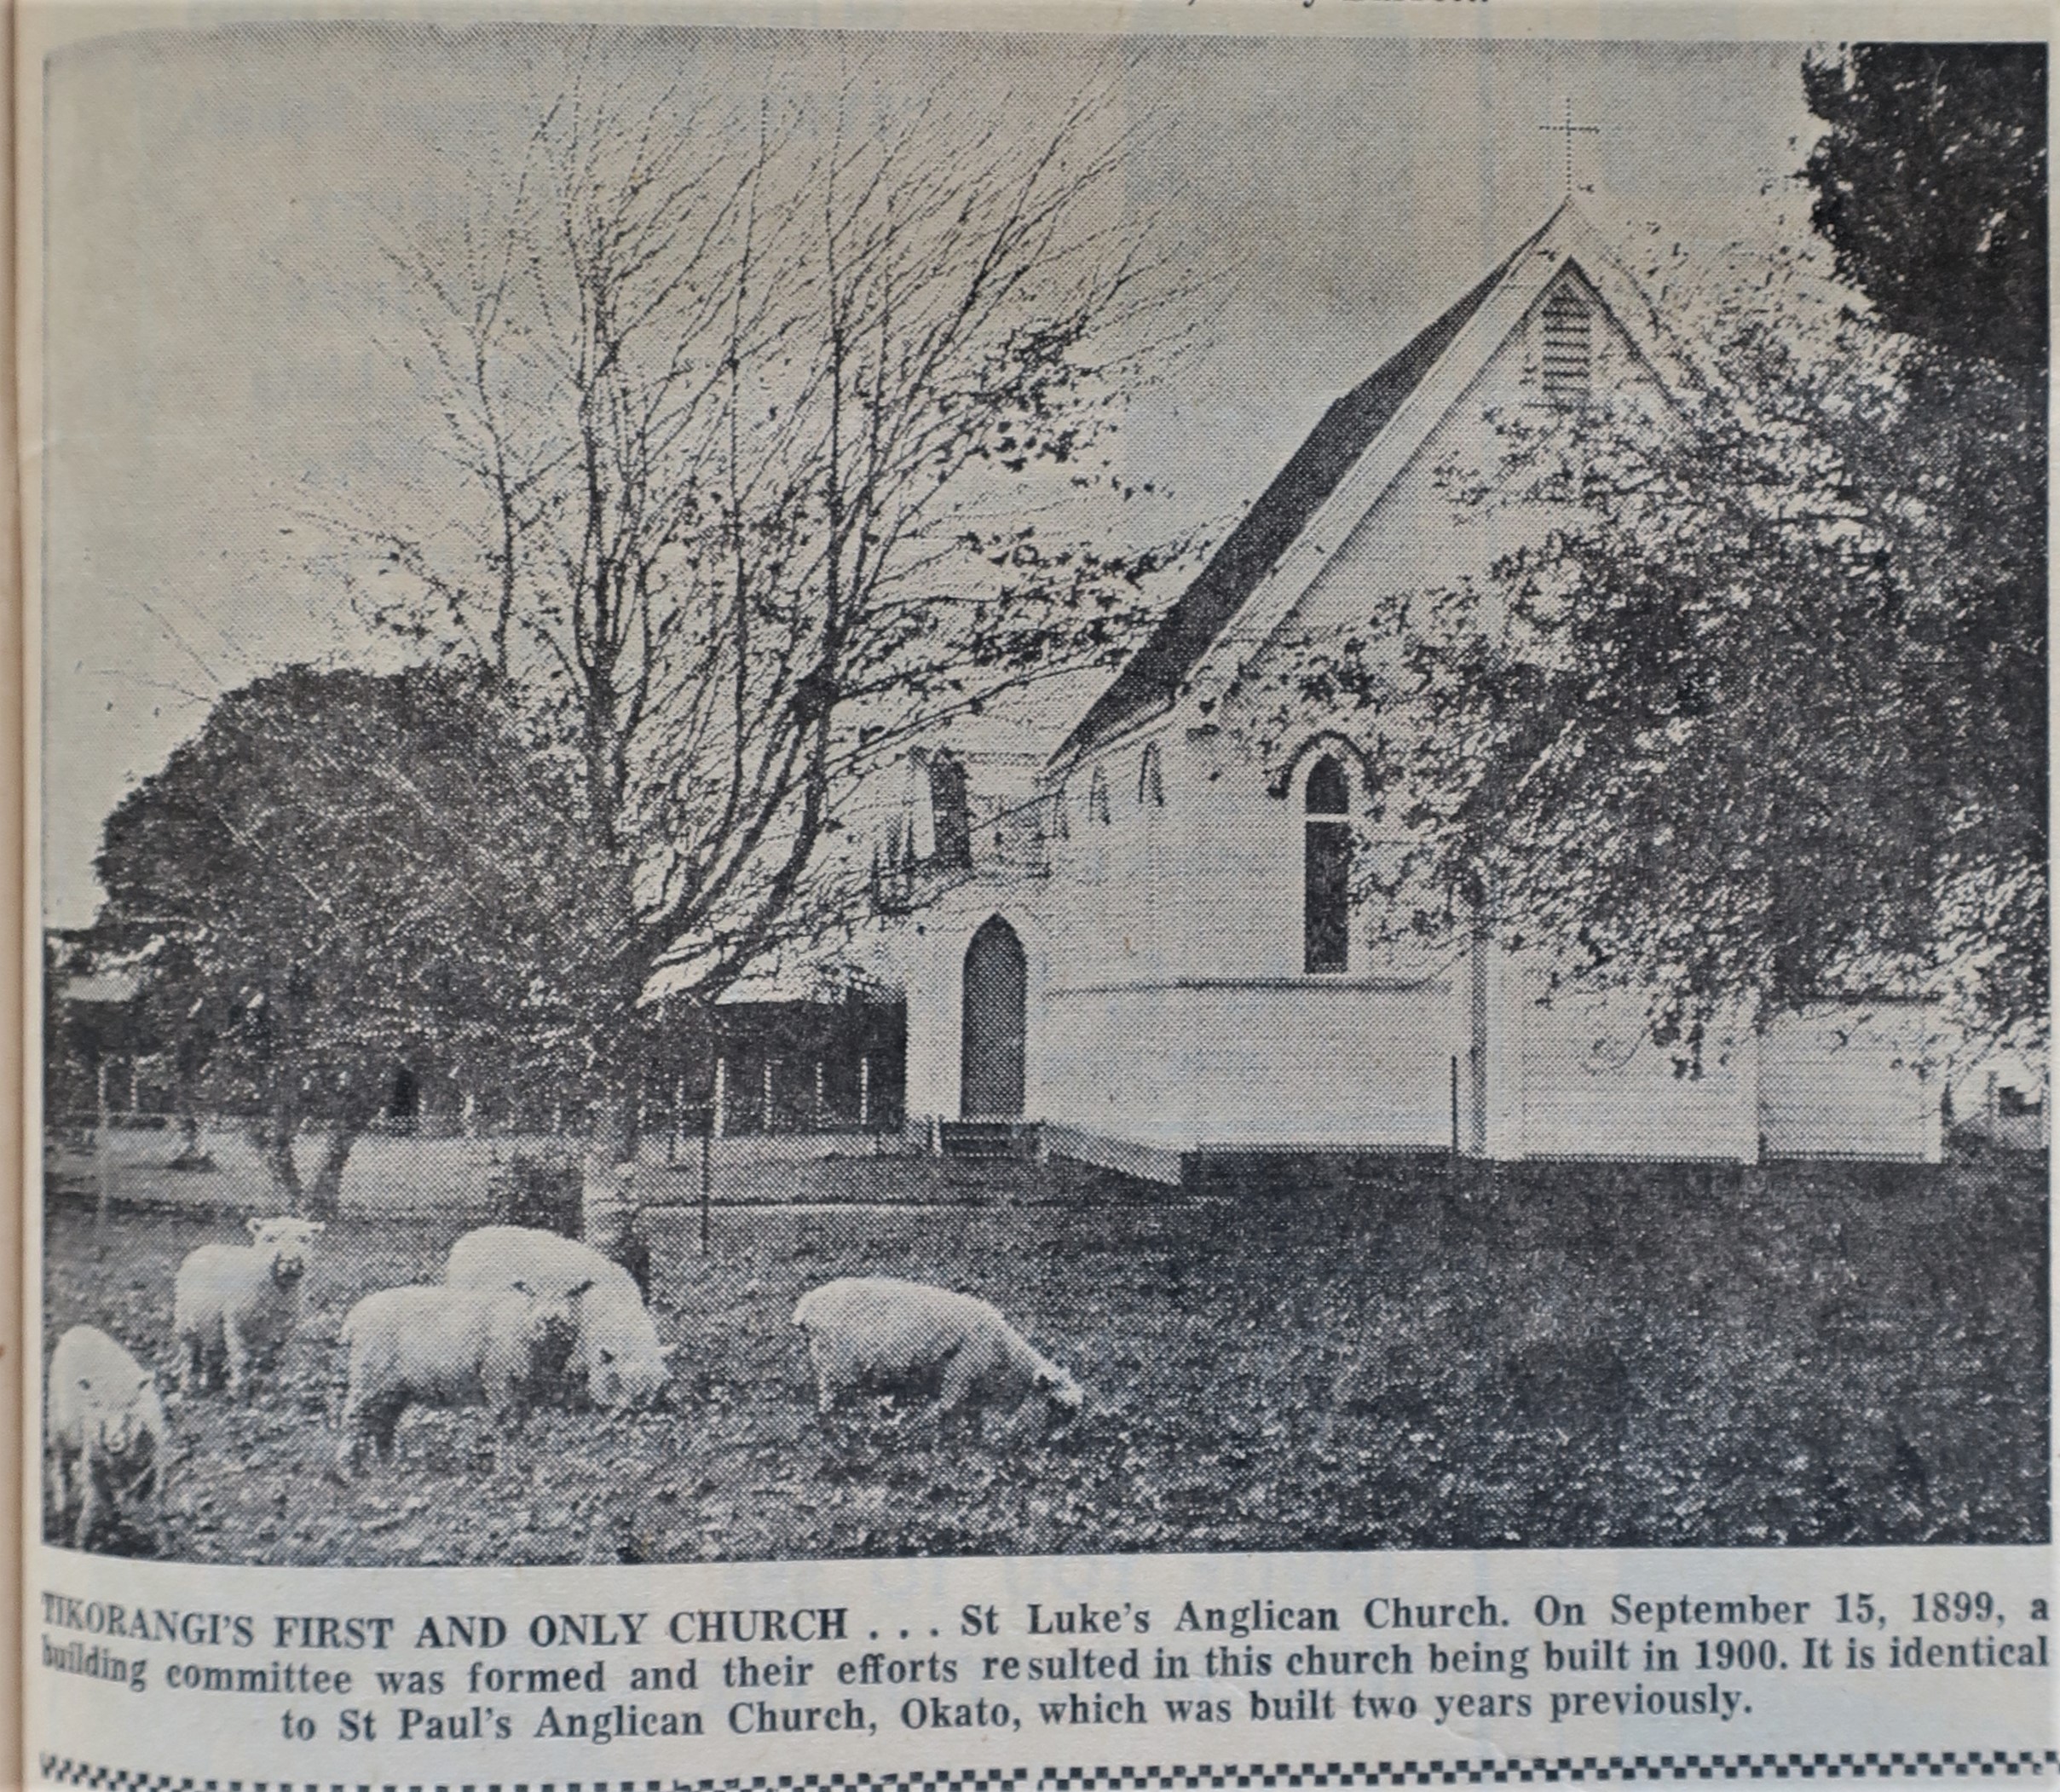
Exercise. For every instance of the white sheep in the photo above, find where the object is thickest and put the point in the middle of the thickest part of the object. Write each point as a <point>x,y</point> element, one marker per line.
<point>876,1334</point>
<point>445,1346</point>
<point>105,1438</point>
<point>616,1351</point>
<point>233,1302</point>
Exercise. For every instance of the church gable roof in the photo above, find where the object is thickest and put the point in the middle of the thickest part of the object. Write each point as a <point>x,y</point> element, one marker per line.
<point>1156,674</point>
<point>1185,632</point>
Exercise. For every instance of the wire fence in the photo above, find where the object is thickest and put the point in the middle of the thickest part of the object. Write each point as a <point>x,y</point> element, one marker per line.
<point>136,1163</point>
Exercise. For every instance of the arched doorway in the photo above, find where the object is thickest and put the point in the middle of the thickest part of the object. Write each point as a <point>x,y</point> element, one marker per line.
<point>991,1064</point>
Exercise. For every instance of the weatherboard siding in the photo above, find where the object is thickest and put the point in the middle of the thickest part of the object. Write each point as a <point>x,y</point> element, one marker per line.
<point>1594,1084</point>
<point>1187,1066</point>
<point>1440,523</point>
<point>1168,1007</point>
<point>1847,1081</point>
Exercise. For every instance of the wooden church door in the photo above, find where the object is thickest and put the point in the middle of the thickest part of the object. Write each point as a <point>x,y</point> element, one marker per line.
<point>990,1065</point>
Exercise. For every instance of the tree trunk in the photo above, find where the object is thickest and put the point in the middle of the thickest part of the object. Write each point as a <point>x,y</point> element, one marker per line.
<point>611,1132</point>
<point>186,1104</point>
<point>614,1099</point>
<point>324,1191</point>
<point>191,1155</point>
<point>620,967</point>
<point>273,1130</point>
<point>274,1142</point>
<point>607,1197</point>
<point>613,1029</point>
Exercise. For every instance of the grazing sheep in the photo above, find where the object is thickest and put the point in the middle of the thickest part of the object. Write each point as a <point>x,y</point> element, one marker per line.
<point>616,1352</point>
<point>232,1301</point>
<point>105,1436</point>
<point>445,1346</point>
<point>872,1333</point>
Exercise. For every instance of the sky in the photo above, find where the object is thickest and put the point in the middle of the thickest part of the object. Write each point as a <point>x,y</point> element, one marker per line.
<point>220,355</point>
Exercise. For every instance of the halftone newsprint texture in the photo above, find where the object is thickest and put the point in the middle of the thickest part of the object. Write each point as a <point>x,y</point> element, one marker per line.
<point>939,898</point>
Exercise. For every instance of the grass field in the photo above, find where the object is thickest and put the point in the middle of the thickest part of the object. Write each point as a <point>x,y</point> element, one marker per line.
<point>1553,1356</point>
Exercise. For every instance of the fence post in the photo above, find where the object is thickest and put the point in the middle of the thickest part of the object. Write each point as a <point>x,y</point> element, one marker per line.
<point>102,1168</point>
<point>707,1140</point>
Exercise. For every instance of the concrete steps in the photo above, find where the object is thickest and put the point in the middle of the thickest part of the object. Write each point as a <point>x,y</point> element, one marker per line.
<point>1014,1139</point>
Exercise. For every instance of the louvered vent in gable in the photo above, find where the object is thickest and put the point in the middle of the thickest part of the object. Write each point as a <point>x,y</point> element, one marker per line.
<point>1569,353</point>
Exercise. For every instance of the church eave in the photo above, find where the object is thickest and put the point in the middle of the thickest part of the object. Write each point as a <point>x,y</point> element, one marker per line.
<point>1353,454</point>
<point>1153,679</point>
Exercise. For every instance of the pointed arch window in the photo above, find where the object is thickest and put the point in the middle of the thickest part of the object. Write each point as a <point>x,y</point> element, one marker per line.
<point>1150,780</point>
<point>1097,797</point>
<point>1326,868</point>
<point>1569,349</point>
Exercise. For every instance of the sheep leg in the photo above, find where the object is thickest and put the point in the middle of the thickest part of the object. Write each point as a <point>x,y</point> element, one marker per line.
<point>957,1398</point>
<point>818,1360</point>
<point>1020,1424</point>
<point>509,1409</point>
<point>93,1502</point>
<point>834,1381</point>
<point>191,1367</point>
<point>840,1426</point>
<point>144,1493</point>
<point>237,1350</point>
<point>350,1437</point>
<point>57,1461</point>
<point>363,1422</point>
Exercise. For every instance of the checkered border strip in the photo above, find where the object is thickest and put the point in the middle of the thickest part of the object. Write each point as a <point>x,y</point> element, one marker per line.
<point>1565,1769</point>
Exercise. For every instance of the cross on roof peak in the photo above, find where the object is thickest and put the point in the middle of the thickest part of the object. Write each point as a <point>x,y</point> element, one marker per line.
<point>1569,130</point>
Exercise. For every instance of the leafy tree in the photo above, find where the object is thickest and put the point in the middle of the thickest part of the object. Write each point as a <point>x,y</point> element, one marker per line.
<point>1932,183</point>
<point>1752,712</point>
<point>351,872</point>
<point>765,423</point>
<point>1627,746</point>
<point>1930,186</point>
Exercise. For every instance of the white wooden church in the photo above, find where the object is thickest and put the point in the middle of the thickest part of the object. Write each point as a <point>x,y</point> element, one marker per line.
<point>1141,941</point>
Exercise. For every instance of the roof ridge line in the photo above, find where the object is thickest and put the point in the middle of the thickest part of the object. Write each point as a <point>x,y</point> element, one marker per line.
<point>1153,676</point>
